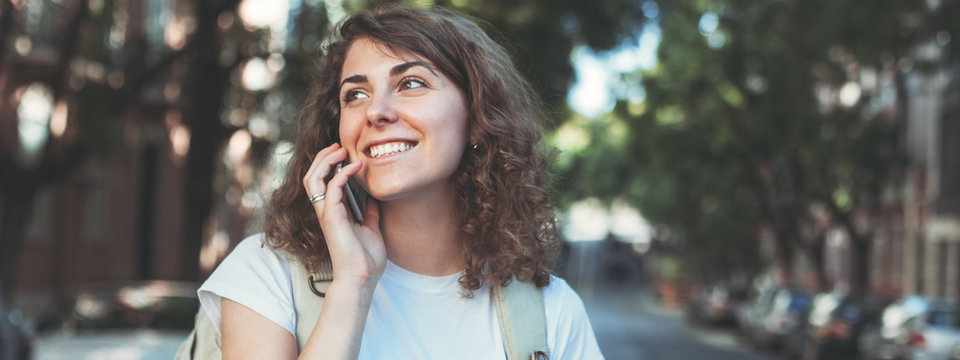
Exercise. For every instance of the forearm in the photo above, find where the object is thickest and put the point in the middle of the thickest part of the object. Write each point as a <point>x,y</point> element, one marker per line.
<point>339,329</point>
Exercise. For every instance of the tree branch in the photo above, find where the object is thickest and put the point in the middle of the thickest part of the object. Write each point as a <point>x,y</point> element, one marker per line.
<point>6,25</point>
<point>68,48</point>
<point>132,91</point>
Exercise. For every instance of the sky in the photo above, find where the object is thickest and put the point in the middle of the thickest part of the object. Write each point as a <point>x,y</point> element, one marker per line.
<point>597,87</point>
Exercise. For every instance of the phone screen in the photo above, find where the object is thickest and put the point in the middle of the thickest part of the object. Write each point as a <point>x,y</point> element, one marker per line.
<point>355,197</point>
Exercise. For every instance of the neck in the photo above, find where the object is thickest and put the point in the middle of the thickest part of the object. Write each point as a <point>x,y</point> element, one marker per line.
<point>421,233</point>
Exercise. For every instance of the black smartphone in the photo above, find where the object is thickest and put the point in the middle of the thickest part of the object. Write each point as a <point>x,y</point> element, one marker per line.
<point>355,197</point>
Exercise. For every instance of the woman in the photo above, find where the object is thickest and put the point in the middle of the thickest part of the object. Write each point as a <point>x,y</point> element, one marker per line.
<point>439,127</point>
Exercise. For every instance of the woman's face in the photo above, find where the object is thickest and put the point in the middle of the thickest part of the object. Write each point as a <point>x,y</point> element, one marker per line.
<point>403,119</point>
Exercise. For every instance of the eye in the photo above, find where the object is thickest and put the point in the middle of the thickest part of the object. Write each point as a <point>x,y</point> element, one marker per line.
<point>412,83</point>
<point>351,95</point>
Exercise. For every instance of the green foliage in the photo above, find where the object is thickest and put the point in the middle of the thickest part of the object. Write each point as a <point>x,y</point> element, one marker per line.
<point>591,154</point>
<point>748,124</point>
<point>740,126</point>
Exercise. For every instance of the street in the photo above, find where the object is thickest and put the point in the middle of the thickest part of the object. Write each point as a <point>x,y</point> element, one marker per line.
<point>629,322</point>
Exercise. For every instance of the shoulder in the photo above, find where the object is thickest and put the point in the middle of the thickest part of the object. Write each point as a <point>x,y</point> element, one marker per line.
<point>255,276</point>
<point>559,288</point>
<point>560,299</point>
<point>252,255</point>
<point>569,333</point>
<point>254,248</point>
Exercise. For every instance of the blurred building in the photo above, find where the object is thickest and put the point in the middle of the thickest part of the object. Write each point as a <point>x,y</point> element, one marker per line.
<point>914,243</point>
<point>111,218</point>
<point>915,247</point>
<point>931,252</point>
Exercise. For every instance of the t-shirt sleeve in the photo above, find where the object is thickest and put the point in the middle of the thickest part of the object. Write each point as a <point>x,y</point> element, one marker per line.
<point>255,276</point>
<point>569,333</point>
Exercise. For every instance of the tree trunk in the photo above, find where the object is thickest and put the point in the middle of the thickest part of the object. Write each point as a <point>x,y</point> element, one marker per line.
<point>16,205</point>
<point>859,251</point>
<point>815,252</point>
<point>208,135</point>
<point>6,25</point>
<point>860,276</point>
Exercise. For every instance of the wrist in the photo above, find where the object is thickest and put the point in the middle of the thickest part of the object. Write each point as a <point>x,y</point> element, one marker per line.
<point>362,285</point>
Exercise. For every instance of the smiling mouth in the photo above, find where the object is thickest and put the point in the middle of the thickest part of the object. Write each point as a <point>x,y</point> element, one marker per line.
<point>390,148</point>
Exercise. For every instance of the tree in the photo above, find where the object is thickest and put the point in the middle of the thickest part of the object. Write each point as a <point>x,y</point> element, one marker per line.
<point>195,66</point>
<point>758,111</point>
<point>100,104</point>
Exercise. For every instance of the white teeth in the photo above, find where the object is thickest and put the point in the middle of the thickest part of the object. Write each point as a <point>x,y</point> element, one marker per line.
<point>388,148</point>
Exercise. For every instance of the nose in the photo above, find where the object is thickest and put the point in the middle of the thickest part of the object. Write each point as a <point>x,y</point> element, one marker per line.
<point>382,110</point>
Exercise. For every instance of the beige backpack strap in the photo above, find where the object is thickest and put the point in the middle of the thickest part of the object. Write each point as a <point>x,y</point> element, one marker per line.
<point>203,342</point>
<point>522,320</point>
<point>185,351</point>
<point>308,292</point>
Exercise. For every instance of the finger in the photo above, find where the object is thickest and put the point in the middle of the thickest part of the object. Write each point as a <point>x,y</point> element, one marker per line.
<point>326,150</point>
<point>334,188</point>
<point>314,179</point>
<point>318,157</point>
<point>321,161</point>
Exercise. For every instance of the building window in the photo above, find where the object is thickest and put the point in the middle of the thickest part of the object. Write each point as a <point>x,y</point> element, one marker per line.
<point>949,200</point>
<point>878,255</point>
<point>896,256</point>
<point>39,223</point>
<point>942,258</point>
<point>837,256</point>
<point>956,279</point>
<point>97,214</point>
<point>919,265</point>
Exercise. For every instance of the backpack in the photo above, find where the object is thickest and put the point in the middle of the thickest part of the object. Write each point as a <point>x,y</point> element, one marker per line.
<point>519,307</point>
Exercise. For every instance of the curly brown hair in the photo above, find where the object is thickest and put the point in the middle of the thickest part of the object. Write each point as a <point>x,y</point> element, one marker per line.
<point>508,225</point>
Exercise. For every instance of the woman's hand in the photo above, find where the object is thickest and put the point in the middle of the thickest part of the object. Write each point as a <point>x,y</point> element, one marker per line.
<point>358,257</point>
<point>356,249</point>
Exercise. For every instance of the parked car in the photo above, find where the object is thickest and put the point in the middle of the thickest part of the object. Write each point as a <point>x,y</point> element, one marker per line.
<point>795,340</point>
<point>835,323</point>
<point>772,315</point>
<point>715,304</point>
<point>916,328</point>
<point>747,313</point>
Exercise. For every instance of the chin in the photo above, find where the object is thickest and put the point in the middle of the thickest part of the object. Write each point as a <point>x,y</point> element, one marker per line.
<point>402,191</point>
<point>386,197</point>
<point>386,192</point>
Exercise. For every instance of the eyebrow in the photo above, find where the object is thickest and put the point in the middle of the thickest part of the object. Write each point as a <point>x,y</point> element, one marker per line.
<point>354,79</point>
<point>396,70</point>
<point>399,69</point>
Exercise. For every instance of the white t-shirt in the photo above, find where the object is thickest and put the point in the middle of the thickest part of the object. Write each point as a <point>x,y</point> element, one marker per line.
<point>412,316</point>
